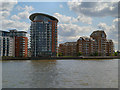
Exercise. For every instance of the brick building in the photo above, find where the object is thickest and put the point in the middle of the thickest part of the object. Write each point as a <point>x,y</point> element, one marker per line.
<point>85,46</point>
<point>96,44</point>
<point>68,49</point>
<point>21,46</point>
<point>100,41</point>
<point>109,48</point>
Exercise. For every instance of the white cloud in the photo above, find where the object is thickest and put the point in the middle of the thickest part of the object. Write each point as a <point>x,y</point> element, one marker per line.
<point>26,8</point>
<point>111,31</point>
<point>14,22</point>
<point>15,17</point>
<point>68,19</point>
<point>11,24</point>
<point>63,18</point>
<point>4,14</point>
<point>116,20</point>
<point>63,39</point>
<point>94,9</point>
<point>107,28</point>
<point>24,15</point>
<point>84,19</point>
<point>61,6</point>
<point>6,8</point>
<point>73,30</point>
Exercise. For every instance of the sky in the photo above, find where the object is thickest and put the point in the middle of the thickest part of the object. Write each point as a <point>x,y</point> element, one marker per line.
<point>76,18</point>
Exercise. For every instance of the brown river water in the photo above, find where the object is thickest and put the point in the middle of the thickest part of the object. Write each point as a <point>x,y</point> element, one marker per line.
<point>60,74</point>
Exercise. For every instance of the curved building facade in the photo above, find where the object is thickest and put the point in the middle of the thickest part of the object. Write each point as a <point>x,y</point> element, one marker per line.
<point>43,33</point>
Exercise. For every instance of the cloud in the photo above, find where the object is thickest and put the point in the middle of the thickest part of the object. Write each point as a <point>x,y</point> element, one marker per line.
<point>71,32</point>
<point>63,18</point>
<point>111,31</point>
<point>6,8</point>
<point>61,6</point>
<point>116,20</point>
<point>14,21</point>
<point>11,24</point>
<point>26,8</point>
<point>68,19</point>
<point>67,39</point>
<point>94,9</point>
<point>4,14</point>
<point>24,15</point>
<point>84,19</point>
<point>108,29</point>
<point>15,17</point>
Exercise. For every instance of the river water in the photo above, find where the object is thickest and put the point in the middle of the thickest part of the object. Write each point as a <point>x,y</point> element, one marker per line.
<point>60,74</point>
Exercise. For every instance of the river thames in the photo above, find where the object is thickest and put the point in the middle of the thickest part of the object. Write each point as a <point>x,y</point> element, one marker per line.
<point>60,74</point>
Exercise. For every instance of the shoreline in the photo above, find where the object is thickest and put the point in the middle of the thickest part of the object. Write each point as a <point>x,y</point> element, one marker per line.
<point>59,58</point>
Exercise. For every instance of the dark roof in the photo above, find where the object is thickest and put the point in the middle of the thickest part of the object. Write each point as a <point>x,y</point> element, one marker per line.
<point>32,16</point>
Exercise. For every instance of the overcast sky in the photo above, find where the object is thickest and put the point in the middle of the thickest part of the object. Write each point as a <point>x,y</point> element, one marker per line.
<point>76,18</point>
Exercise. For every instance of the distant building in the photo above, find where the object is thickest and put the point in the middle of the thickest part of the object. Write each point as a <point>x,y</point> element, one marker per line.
<point>21,46</point>
<point>68,49</point>
<point>96,44</point>
<point>29,52</point>
<point>109,48</point>
<point>7,46</point>
<point>85,46</point>
<point>43,33</point>
<point>13,43</point>
<point>100,42</point>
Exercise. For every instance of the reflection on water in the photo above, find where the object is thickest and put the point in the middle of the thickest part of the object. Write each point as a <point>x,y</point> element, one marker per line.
<point>60,74</point>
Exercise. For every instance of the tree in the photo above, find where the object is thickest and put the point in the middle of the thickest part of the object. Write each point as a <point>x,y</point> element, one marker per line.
<point>95,54</point>
<point>115,54</point>
<point>80,53</point>
<point>60,54</point>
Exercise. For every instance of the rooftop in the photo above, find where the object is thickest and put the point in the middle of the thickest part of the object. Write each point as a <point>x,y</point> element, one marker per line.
<point>32,16</point>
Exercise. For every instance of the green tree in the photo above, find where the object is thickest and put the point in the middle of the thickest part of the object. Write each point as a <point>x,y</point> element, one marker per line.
<point>80,53</point>
<point>95,54</point>
<point>115,54</point>
<point>91,54</point>
<point>60,54</point>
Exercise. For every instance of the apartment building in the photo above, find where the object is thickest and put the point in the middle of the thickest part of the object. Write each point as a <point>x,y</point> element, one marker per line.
<point>110,47</point>
<point>85,46</point>
<point>13,43</point>
<point>6,44</point>
<point>68,49</point>
<point>100,42</point>
<point>43,33</point>
<point>96,44</point>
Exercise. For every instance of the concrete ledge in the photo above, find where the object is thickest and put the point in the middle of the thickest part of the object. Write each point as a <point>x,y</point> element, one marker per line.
<point>59,58</point>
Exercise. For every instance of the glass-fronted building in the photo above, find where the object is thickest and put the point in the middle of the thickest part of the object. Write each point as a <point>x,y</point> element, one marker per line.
<point>43,34</point>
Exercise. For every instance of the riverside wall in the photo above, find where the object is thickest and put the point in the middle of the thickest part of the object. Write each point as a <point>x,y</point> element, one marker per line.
<point>59,58</point>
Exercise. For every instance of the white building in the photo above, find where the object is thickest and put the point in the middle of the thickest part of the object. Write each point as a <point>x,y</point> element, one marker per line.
<point>7,45</point>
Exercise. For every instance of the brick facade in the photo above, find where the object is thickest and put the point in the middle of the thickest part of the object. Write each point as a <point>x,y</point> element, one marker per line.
<point>97,44</point>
